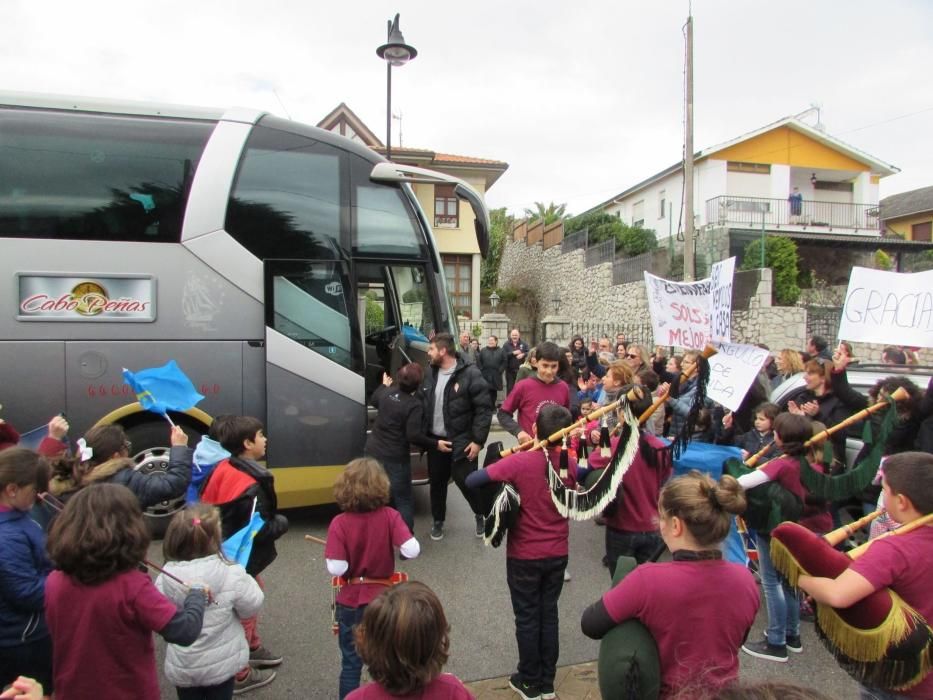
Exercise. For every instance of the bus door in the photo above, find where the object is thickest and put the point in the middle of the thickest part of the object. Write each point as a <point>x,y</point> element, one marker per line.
<point>314,382</point>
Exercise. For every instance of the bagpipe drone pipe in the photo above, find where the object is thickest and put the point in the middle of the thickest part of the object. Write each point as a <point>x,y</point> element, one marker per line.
<point>880,641</point>
<point>770,504</point>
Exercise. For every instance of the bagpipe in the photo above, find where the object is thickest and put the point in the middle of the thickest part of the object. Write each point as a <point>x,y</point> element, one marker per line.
<point>501,502</point>
<point>771,504</point>
<point>880,641</point>
<point>629,667</point>
<point>338,582</point>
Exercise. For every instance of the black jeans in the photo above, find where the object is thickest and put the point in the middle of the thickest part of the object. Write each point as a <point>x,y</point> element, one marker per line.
<point>535,586</point>
<point>221,691</point>
<point>399,474</point>
<point>641,546</point>
<point>441,467</point>
<point>510,376</point>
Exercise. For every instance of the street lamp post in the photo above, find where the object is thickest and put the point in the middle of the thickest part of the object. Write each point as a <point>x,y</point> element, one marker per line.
<point>494,301</point>
<point>395,52</point>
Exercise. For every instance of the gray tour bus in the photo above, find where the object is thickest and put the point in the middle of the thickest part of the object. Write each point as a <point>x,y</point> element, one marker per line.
<point>284,268</point>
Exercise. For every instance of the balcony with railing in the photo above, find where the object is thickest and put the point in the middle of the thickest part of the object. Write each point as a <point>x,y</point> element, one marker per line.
<point>755,212</point>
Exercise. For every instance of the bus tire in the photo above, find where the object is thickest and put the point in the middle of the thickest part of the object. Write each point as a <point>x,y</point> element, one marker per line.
<point>150,453</point>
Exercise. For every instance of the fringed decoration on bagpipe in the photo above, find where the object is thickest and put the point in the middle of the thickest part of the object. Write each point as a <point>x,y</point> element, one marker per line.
<point>502,513</point>
<point>681,441</point>
<point>850,483</point>
<point>583,505</point>
<point>880,641</point>
<point>499,501</point>
<point>564,459</point>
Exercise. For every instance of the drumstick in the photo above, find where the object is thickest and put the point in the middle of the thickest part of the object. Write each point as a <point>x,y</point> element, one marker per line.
<point>318,540</point>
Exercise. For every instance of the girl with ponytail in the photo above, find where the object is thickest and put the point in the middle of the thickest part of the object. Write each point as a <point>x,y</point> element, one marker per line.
<point>698,607</point>
<point>192,549</point>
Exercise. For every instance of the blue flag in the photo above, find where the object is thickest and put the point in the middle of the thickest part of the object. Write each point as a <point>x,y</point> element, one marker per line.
<point>239,545</point>
<point>163,389</point>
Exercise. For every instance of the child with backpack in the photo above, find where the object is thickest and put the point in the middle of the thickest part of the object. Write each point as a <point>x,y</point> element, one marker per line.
<point>192,550</point>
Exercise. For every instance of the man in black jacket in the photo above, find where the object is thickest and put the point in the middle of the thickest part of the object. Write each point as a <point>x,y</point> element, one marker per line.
<point>458,414</point>
<point>491,362</point>
<point>515,351</point>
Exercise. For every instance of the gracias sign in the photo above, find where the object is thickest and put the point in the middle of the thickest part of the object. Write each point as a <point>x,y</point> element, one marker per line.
<point>126,298</point>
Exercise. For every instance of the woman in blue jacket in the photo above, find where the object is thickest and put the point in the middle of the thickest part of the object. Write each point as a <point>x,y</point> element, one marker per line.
<point>25,646</point>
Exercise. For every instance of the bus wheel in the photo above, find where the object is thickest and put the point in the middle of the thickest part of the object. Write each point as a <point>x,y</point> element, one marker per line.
<point>151,453</point>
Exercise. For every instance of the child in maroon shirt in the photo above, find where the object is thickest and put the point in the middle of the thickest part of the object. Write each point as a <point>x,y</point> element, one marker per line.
<point>404,641</point>
<point>536,554</point>
<point>697,630</point>
<point>903,563</point>
<point>530,394</point>
<point>783,633</point>
<point>361,544</point>
<point>102,610</point>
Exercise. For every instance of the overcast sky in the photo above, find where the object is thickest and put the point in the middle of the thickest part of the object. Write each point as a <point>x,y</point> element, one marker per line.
<point>583,99</point>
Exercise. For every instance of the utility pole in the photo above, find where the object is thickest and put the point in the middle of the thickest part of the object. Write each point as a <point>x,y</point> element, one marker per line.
<point>689,234</point>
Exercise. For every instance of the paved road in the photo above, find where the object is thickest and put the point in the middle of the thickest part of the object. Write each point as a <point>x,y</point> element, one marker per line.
<point>470,580</point>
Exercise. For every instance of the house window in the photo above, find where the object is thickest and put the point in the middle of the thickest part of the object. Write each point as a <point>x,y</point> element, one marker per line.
<point>921,232</point>
<point>446,209</point>
<point>662,203</point>
<point>459,272</point>
<point>638,213</point>
<point>734,166</point>
<point>833,186</point>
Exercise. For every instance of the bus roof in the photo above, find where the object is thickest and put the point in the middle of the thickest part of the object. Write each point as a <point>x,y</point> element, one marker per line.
<point>113,106</point>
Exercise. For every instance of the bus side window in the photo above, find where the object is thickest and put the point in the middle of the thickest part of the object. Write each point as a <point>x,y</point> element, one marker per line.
<point>96,176</point>
<point>309,305</point>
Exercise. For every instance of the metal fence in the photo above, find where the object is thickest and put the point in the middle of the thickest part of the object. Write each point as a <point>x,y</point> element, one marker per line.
<point>575,241</point>
<point>632,269</point>
<point>824,321</point>
<point>758,211</point>
<point>600,253</point>
<point>641,333</point>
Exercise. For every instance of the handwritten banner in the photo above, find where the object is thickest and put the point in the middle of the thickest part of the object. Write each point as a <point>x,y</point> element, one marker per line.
<point>732,370</point>
<point>680,311</point>
<point>721,290</point>
<point>888,307</point>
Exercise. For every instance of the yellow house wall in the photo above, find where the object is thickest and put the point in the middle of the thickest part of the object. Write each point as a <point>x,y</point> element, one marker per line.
<point>453,241</point>
<point>902,226</point>
<point>789,147</point>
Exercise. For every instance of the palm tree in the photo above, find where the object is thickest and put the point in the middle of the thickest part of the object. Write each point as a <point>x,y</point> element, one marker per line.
<point>550,213</point>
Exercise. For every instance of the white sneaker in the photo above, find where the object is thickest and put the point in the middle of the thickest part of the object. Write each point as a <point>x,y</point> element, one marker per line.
<point>566,575</point>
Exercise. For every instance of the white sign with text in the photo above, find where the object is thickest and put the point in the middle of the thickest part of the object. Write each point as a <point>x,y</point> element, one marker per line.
<point>888,307</point>
<point>721,289</point>
<point>732,370</point>
<point>680,311</point>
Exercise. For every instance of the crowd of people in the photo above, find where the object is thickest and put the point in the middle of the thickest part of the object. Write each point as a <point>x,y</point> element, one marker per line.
<point>78,606</point>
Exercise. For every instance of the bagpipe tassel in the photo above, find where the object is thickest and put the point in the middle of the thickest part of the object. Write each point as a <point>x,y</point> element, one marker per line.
<point>583,452</point>
<point>564,463</point>
<point>605,449</point>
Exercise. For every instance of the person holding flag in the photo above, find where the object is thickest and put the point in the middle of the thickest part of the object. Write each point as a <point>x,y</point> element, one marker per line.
<point>244,491</point>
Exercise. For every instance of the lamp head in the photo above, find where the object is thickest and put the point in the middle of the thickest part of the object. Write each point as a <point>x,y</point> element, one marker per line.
<point>395,51</point>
